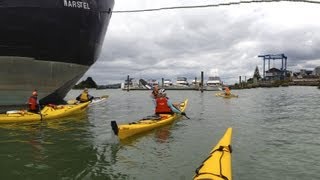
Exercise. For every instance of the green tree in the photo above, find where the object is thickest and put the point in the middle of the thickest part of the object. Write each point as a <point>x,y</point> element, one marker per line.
<point>256,73</point>
<point>88,83</point>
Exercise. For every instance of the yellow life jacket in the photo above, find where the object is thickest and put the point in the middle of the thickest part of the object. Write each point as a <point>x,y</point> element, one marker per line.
<point>84,97</point>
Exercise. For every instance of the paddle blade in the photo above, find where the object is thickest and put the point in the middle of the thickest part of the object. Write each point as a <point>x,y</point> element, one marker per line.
<point>186,116</point>
<point>114,127</point>
<point>101,97</point>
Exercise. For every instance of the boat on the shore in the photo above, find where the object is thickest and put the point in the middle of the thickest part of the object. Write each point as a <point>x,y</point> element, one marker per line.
<point>134,84</point>
<point>48,45</point>
<point>167,82</point>
<point>182,81</point>
<point>153,82</point>
<point>213,83</point>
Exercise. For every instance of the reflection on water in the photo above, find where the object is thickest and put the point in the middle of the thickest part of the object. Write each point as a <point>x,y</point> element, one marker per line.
<point>162,134</point>
<point>276,136</point>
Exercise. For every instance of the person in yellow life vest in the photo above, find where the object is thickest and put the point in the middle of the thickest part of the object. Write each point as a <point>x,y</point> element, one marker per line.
<point>85,96</point>
<point>227,91</point>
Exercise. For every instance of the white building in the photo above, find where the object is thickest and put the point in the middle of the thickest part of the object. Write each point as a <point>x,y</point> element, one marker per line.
<point>317,71</point>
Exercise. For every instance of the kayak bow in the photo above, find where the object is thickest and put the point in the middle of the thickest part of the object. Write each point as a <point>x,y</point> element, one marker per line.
<point>218,165</point>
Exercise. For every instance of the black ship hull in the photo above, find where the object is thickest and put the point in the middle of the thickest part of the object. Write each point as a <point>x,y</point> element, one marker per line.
<point>48,45</point>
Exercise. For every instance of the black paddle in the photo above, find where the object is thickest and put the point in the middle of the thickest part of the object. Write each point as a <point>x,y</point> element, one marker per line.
<point>40,112</point>
<point>184,114</point>
<point>114,127</point>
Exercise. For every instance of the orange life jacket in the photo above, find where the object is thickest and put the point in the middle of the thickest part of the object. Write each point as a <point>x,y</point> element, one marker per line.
<point>33,104</point>
<point>162,106</point>
<point>227,91</point>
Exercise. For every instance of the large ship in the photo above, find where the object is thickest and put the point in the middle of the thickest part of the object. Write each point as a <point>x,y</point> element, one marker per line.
<point>48,45</point>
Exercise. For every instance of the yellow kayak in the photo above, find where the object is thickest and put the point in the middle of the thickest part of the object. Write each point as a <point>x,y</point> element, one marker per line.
<point>47,113</point>
<point>146,124</point>
<point>222,94</point>
<point>218,165</point>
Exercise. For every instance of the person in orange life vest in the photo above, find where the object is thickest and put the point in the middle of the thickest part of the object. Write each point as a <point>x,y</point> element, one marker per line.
<point>84,96</point>
<point>227,91</point>
<point>164,105</point>
<point>34,103</point>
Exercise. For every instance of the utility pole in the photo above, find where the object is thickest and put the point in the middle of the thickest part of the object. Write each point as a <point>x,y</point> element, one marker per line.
<point>201,88</point>
<point>128,83</point>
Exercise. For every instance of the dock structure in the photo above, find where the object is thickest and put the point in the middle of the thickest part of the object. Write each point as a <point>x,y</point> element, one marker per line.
<point>201,86</point>
<point>269,57</point>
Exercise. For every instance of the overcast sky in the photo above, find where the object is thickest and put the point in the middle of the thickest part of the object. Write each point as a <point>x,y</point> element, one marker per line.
<point>222,41</point>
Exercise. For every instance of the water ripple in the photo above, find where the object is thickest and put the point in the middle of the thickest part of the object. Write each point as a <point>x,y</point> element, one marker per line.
<point>275,136</point>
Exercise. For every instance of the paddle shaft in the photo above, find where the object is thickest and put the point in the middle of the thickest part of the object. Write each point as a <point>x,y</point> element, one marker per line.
<point>181,112</point>
<point>186,116</point>
<point>40,112</point>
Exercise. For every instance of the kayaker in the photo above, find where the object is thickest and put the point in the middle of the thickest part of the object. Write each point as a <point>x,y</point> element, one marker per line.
<point>33,102</point>
<point>227,91</point>
<point>85,96</point>
<point>164,105</point>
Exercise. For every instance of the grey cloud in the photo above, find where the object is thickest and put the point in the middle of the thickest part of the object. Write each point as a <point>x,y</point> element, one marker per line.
<point>184,43</point>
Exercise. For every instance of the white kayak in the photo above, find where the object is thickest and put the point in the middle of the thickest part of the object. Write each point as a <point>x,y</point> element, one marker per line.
<point>98,100</point>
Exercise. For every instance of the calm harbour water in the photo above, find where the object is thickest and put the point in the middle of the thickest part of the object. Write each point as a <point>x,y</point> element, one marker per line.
<point>276,135</point>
